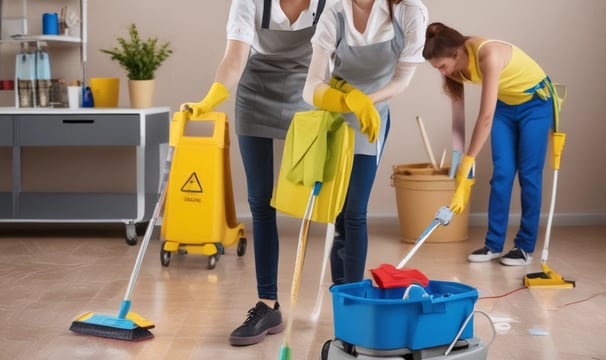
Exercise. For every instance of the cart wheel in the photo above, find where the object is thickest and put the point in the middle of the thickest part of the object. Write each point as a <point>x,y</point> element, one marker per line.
<point>131,234</point>
<point>164,255</point>
<point>241,246</point>
<point>212,262</point>
<point>325,349</point>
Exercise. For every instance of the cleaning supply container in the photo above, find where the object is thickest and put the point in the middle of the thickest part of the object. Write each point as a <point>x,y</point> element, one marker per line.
<point>419,191</point>
<point>199,214</point>
<point>386,319</point>
<point>106,91</point>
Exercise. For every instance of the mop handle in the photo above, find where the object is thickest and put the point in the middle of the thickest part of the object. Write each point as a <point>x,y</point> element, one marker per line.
<point>150,226</point>
<point>545,253</point>
<point>328,240</point>
<point>434,224</point>
<point>442,217</point>
<point>426,143</point>
<point>299,260</point>
<point>558,145</point>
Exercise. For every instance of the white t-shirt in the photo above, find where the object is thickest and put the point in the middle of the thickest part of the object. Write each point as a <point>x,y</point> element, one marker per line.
<point>411,15</point>
<point>245,16</point>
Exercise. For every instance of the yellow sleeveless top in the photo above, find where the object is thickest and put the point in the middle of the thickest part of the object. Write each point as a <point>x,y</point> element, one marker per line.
<point>520,78</point>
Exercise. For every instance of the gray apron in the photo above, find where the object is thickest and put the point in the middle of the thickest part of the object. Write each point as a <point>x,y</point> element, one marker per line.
<point>369,68</point>
<point>271,87</point>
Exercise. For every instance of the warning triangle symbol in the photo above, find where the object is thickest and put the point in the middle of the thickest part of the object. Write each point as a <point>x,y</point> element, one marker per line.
<point>192,184</point>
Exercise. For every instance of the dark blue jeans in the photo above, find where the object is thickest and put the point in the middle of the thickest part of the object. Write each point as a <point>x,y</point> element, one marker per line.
<point>350,245</point>
<point>257,156</point>
<point>519,138</point>
<point>348,255</point>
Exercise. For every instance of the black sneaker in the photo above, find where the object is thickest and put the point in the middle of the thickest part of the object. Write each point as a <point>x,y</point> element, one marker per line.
<point>482,255</point>
<point>516,257</point>
<point>260,321</point>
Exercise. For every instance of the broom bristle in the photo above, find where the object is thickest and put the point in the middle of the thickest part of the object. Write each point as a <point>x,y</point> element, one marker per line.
<point>135,334</point>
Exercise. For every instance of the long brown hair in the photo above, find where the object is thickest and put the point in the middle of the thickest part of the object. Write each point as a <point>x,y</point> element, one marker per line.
<point>443,41</point>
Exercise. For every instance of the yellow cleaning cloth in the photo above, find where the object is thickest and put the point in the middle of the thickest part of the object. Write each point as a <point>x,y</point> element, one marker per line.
<point>318,147</point>
<point>304,156</point>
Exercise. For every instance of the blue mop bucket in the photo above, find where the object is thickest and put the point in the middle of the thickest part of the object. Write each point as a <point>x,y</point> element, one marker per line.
<point>376,318</point>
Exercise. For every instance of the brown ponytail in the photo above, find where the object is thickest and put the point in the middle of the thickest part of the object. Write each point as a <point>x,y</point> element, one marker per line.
<point>443,41</point>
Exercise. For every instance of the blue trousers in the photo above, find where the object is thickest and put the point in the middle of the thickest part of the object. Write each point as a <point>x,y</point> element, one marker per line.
<point>350,245</point>
<point>258,160</point>
<point>519,139</point>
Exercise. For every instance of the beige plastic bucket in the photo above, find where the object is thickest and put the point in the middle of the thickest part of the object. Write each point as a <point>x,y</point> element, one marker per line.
<point>106,91</point>
<point>420,192</point>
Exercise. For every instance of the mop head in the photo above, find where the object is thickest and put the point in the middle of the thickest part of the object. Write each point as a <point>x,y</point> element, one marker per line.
<point>547,279</point>
<point>111,327</point>
<point>387,276</point>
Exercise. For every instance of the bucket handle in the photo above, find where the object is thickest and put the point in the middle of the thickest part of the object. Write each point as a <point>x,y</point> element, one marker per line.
<point>393,174</point>
<point>494,331</point>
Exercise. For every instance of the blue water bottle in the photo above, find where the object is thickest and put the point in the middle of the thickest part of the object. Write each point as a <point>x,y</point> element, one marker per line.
<point>50,24</point>
<point>87,97</point>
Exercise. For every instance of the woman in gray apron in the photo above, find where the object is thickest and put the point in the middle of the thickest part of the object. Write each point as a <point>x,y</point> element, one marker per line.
<point>373,46</point>
<point>268,53</point>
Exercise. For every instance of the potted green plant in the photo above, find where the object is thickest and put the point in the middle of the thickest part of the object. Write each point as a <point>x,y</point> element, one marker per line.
<point>140,58</point>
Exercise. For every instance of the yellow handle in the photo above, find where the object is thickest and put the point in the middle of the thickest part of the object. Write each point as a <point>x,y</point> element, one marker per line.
<point>558,145</point>
<point>176,127</point>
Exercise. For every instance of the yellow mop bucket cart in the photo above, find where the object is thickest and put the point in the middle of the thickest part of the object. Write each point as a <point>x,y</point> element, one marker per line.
<point>199,214</point>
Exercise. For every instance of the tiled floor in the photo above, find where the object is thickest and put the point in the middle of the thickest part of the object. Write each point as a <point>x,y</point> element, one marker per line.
<point>50,274</point>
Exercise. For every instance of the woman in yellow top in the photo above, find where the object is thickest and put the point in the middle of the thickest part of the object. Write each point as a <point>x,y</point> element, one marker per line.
<point>516,111</point>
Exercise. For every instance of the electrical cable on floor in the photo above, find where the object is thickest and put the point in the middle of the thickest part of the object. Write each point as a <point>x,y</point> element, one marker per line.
<point>579,301</point>
<point>557,308</point>
<point>503,295</point>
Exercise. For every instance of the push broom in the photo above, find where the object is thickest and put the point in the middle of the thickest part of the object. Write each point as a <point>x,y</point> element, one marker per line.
<point>549,278</point>
<point>127,325</point>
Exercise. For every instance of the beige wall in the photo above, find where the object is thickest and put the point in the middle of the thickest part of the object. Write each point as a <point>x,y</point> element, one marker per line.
<point>565,38</point>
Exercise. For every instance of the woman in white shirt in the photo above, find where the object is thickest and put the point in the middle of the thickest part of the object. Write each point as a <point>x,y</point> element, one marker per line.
<point>364,53</point>
<point>267,56</point>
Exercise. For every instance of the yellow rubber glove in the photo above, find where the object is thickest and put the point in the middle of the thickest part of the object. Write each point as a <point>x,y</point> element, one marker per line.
<point>367,114</point>
<point>340,84</point>
<point>327,98</point>
<point>461,196</point>
<point>464,181</point>
<point>215,96</point>
<point>465,167</point>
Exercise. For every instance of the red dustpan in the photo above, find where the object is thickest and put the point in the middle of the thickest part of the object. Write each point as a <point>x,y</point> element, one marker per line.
<point>388,276</point>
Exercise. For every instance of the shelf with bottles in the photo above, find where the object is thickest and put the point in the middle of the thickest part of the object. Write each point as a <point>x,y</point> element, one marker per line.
<point>68,34</point>
<point>59,39</point>
<point>57,25</point>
